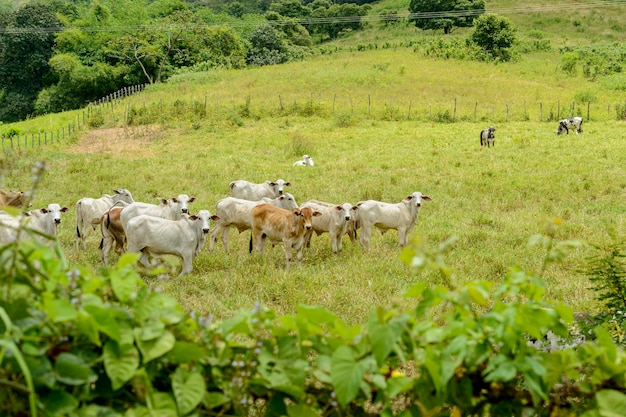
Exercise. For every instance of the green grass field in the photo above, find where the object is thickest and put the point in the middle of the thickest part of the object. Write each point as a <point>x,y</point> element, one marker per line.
<point>368,119</point>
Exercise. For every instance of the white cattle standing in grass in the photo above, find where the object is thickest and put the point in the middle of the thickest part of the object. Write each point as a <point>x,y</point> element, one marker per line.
<point>281,226</point>
<point>42,221</point>
<point>306,161</point>
<point>238,212</point>
<point>401,216</point>
<point>171,209</point>
<point>89,212</point>
<point>255,192</point>
<point>575,123</point>
<point>334,220</point>
<point>156,236</point>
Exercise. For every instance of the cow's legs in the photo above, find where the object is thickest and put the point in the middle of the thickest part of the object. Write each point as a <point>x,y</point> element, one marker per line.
<point>187,265</point>
<point>364,239</point>
<point>225,234</point>
<point>213,236</point>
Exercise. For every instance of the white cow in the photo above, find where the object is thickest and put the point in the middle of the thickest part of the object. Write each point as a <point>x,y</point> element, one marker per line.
<point>401,216</point>
<point>334,220</point>
<point>44,221</point>
<point>89,211</point>
<point>306,161</point>
<point>572,123</point>
<point>238,212</point>
<point>156,236</point>
<point>255,192</point>
<point>171,209</point>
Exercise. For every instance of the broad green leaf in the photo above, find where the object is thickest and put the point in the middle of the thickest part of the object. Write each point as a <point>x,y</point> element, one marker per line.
<point>383,336</point>
<point>416,290</point>
<point>316,314</point>
<point>71,369</point>
<point>96,411</point>
<point>397,385</point>
<point>164,405</point>
<point>152,349</point>
<point>150,331</point>
<point>128,259</point>
<point>346,375</point>
<point>107,323</point>
<point>124,286</point>
<point>611,403</point>
<point>120,362</point>
<point>59,309</point>
<point>504,372</point>
<point>185,352</point>
<point>59,402</point>
<point>188,388</point>
<point>215,399</point>
<point>300,410</point>
<point>88,327</point>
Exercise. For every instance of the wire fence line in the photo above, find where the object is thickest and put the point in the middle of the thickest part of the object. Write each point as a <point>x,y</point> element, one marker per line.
<point>12,141</point>
<point>113,108</point>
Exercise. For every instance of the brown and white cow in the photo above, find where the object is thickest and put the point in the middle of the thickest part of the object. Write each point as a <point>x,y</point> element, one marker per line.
<point>237,212</point>
<point>334,220</point>
<point>281,226</point>
<point>89,212</point>
<point>112,232</point>
<point>401,216</point>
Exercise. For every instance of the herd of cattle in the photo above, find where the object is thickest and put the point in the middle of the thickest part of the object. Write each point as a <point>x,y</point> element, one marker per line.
<point>168,228</point>
<point>265,209</point>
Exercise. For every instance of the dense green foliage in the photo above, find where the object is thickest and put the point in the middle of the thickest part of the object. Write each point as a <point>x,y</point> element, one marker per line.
<point>495,35</point>
<point>81,342</point>
<point>446,14</point>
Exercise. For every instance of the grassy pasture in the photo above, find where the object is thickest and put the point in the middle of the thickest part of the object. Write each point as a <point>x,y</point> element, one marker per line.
<point>493,199</point>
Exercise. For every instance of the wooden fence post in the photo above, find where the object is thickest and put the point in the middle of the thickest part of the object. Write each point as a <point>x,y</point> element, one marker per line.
<point>454,115</point>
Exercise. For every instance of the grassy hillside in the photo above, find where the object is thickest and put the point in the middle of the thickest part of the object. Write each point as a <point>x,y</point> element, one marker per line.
<point>378,123</point>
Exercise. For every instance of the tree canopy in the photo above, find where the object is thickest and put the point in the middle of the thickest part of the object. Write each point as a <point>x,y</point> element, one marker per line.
<point>445,14</point>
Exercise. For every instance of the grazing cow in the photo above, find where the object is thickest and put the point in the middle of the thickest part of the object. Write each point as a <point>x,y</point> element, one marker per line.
<point>401,216</point>
<point>572,123</point>
<point>89,212</point>
<point>334,220</point>
<point>44,221</point>
<point>488,137</point>
<point>306,161</point>
<point>156,236</point>
<point>238,212</point>
<point>12,198</point>
<point>255,192</point>
<point>281,226</point>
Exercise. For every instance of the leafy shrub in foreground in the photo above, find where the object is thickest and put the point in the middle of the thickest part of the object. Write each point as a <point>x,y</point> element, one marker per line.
<point>79,342</point>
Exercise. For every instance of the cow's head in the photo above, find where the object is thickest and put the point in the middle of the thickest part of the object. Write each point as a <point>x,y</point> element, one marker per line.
<point>416,198</point>
<point>182,201</point>
<point>305,214</point>
<point>562,127</point>
<point>279,186</point>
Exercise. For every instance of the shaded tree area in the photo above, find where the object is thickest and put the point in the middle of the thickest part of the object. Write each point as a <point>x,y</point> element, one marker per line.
<point>445,14</point>
<point>26,45</point>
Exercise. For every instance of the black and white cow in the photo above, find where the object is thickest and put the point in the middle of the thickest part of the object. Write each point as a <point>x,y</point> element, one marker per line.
<point>488,137</point>
<point>572,123</point>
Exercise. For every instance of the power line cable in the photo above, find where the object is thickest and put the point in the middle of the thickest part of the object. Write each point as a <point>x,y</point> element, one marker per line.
<point>544,8</point>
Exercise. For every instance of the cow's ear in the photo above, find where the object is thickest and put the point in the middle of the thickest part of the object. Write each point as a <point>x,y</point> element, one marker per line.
<point>425,197</point>
<point>355,208</point>
<point>287,183</point>
<point>44,210</point>
<point>215,217</point>
<point>339,208</point>
<point>194,217</point>
<point>409,197</point>
<point>64,209</point>
<point>192,199</point>
<point>316,213</point>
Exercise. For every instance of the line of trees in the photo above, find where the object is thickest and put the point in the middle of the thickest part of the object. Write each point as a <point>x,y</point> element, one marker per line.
<point>57,55</point>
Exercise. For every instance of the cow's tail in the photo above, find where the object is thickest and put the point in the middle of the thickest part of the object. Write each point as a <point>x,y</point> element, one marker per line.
<point>101,244</point>
<point>250,246</point>
<point>78,219</point>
